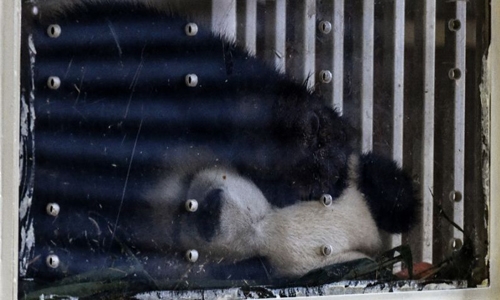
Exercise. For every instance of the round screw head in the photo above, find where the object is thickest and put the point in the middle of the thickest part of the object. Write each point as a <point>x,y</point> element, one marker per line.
<point>455,74</point>
<point>53,209</point>
<point>454,25</point>
<point>54,31</point>
<point>326,250</point>
<point>191,205</point>
<point>456,244</point>
<point>191,80</point>
<point>325,27</point>
<point>52,261</point>
<point>326,199</point>
<point>53,82</point>
<point>325,76</point>
<point>191,29</point>
<point>192,255</point>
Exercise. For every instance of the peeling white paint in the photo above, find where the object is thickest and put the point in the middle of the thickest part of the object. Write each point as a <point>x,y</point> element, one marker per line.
<point>485,93</point>
<point>337,288</point>
<point>59,297</point>
<point>27,244</point>
<point>27,231</point>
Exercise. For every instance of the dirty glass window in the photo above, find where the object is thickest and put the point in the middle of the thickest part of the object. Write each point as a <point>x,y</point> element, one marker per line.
<point>252,148</point>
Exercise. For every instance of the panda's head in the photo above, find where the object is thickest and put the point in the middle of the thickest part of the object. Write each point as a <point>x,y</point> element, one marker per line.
<point>228,208</point>
<point>207,207</point>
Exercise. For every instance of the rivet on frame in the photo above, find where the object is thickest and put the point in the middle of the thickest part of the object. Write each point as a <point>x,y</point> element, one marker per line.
<point>52,261</point>
<point>191,29</point>
<point>325,76</point>
<point>54,31</point>
<point>192,255</point>
<point>34,10</point>
<point>53,209</point>
<point>326,250</point>
<point>326,199</point>
<point>455,196</point>
<point>455,74</point>
<point>53,82</point>
<point>191,80</point>
<point>456,244</point>
<point>454,25</point>
<point>191,205</point>
<point>325,27</point>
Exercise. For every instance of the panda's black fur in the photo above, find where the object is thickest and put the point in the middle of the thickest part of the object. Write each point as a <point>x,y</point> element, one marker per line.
<point>389,192</point>
<point>261,123</point>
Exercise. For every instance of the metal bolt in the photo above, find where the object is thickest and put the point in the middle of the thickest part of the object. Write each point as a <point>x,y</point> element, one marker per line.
<point>326,199</point>
<point>456,244</point>
<point>454,25</point>
<point>34,10</point>
<point>326,250</point>
<point>53,82</point>
<point>191,80</point>
<point>53,209</point>
<point>192,255</point>
<point>54,31</point>
<point>455,196</point>
<point>325,76</point>
<point>191,205</point>
<point>191,29</point>
<point>325,27</point>
<point>52,261</point>
<point>455,74</point>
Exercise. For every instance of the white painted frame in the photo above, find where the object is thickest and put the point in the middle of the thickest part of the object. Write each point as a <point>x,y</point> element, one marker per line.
<point>10,20</point>
<point>10,39</point>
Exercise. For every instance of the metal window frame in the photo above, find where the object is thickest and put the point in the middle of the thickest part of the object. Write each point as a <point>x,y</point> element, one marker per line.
<point>10,20</point>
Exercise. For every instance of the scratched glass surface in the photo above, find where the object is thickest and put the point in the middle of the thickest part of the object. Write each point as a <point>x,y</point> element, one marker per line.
<point>251,148</point>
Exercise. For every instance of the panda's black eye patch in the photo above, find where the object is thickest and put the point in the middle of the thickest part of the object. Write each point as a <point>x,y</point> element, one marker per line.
<point>207,218</point>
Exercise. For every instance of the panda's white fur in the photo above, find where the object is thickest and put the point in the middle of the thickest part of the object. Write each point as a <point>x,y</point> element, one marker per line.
<point>291,238</point>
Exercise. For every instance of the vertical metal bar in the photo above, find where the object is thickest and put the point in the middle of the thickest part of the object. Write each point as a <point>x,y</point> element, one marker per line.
<point>309,42</point>
<point>459,114</point>
<point>224,18</point>
<point>398,80</point>
<point>427,176</point>
<point>302,41</point>
<point>398,88</point>
<point>368,24</point>
<point>275,31</point>
<point>338,55</point>
<point>251,26</point>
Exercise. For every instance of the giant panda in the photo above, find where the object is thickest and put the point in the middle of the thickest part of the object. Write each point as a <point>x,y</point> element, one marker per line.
<point>296,147</point>
<point>282,145</point>
<point>211,208</point>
